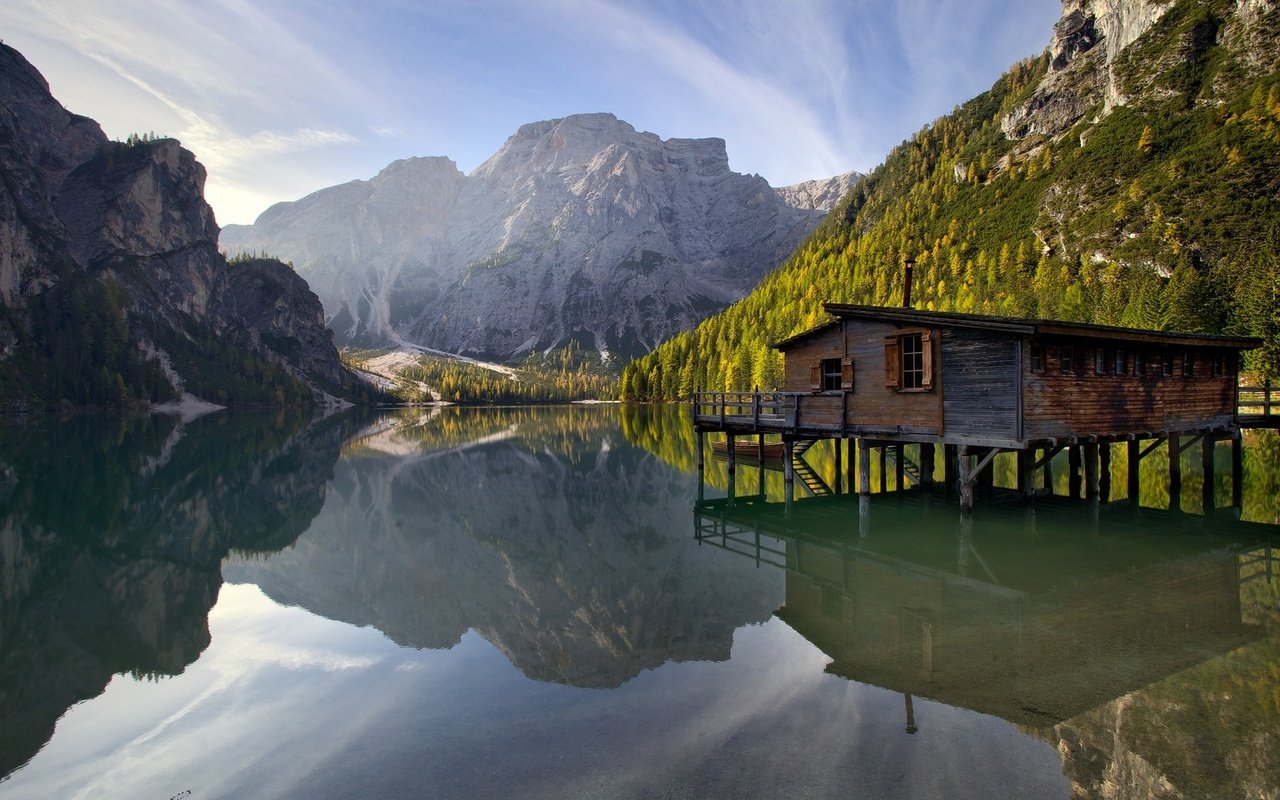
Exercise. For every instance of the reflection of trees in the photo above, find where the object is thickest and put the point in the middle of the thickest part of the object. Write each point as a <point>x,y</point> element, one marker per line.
<point>667,431</point>
<point>112,540</point>
<point>560,429</point>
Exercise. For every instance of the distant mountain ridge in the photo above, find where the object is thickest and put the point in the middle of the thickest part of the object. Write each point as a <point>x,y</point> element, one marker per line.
<point>577,229</point>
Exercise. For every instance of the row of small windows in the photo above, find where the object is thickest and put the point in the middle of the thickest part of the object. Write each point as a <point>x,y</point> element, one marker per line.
<point>1118,361</point>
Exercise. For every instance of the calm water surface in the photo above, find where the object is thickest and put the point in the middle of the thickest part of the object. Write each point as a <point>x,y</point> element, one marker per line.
<point>548,603</point>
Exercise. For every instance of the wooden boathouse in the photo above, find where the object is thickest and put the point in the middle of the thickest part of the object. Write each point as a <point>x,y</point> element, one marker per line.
<point>980,385</point>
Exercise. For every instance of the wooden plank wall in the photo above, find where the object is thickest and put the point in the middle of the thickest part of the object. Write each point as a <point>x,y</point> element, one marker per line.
<point>1085,403</point>
<point>872,405</point>
<point>979,378</point>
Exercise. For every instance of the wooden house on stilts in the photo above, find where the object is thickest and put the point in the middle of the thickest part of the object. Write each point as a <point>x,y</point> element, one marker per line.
<point>980,385</point>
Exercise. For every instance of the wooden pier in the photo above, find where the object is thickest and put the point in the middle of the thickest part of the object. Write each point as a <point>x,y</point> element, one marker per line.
<point>976,386</point>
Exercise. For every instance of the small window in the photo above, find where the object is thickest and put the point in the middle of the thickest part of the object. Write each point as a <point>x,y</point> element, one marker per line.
<point>1140,363</point>
<point>908,361</point>
<point>830,374</point>
<point>1100,361</point>
<point>1166,363</point>
<point>1068,360</point>
<point>1037,358</point>
<point>1122,362</point>
<point>912,361</point>
<point>1218,363</point>
<point>1188,364</point>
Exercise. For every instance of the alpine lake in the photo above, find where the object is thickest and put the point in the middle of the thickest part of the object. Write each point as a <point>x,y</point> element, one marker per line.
<point>554,603</point>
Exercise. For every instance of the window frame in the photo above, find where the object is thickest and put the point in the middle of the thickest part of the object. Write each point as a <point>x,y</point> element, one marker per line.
<point>830,372</point>
<point>895,361</point>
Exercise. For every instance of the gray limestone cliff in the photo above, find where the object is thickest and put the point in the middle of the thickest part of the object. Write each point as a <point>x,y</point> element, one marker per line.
<point>97,236</point>
<point>1101,57</point>
<point>578,229</point>
<point>819,195</point>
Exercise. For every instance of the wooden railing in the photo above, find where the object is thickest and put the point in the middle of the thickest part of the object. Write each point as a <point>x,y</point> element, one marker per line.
<point>769,410</point>
<point>1259,402</point>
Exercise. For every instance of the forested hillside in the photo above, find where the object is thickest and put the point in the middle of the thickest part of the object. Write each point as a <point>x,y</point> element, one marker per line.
<point>1157,210</point>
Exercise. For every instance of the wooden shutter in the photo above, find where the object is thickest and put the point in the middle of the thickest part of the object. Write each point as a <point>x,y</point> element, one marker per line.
<point>846,374</point>
<point>892,362</point>
<point>815,376</point>
<point>926,345</point>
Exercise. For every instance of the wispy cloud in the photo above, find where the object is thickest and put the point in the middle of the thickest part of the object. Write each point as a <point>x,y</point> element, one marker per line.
<point>278,100</point>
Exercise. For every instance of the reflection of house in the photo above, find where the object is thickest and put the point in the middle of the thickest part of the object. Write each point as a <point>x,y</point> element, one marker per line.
<point>889,376</point>
<point>1029,618</point>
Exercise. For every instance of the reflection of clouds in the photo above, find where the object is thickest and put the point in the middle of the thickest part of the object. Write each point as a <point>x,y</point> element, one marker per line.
<point>266,634</point>
<point>287,704</point>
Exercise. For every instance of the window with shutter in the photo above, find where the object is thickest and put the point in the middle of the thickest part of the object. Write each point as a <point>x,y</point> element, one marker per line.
<point>908,361</point>
<point>846,374</point>
<point>926,360</point>
<point>815,376</point>
<point>892,363</point>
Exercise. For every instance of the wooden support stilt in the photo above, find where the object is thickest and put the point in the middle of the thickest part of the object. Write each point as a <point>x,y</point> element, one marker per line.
<point>853,446</point>
<point>1024,472</point>
<point>900,464</point>
<point>1135,466</point>
<point>731,455</point>
<point>1073,478</point>
<point>839,468</point>
<point>965,479</point>
<point>1207,473</point>
<point>702,438</point>
<point>1091,471</point>
<point>1104,472</point>
<point>1047,478</point>
<point>949,459</point>
<point>864,468</point>
<point>884,471</point>
<point>926,464</point>
<point>1175,473</point>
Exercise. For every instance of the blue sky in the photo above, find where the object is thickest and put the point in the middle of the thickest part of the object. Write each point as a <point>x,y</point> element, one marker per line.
<point>284,97</point>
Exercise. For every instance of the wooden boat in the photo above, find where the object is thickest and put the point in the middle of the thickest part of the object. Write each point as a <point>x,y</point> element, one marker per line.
<point>748,450</point>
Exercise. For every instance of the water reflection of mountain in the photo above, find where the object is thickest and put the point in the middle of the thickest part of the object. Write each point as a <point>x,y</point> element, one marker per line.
<point>551,537</point>
<point>111,540</point>
<point>1136,642</point>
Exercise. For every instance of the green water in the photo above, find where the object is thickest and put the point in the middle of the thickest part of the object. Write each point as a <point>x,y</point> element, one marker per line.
<point>549,603</point>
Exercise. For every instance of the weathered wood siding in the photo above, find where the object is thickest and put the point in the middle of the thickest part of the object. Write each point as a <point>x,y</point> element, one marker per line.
<point>980,379</point>
<point>1084,403</point>
<point>875,407</point>
<point>872,407</point>
<point>819,408</point>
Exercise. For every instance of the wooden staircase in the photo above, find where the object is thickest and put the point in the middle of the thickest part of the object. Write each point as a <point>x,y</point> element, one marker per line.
<point>909,468</point>
<point>812,481</point>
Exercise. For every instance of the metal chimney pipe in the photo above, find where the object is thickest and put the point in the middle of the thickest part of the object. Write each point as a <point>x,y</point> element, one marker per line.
<point>908,265</point>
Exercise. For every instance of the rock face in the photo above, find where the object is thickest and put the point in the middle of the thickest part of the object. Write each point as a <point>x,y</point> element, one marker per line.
<point>577,229</point>
<point>82,216</point>
<point>1101,57</point>
<point>819,195</point>
<point>1087,41</point>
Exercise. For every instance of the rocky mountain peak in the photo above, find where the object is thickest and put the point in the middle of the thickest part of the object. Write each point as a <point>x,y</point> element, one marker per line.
<point>577,229</point>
